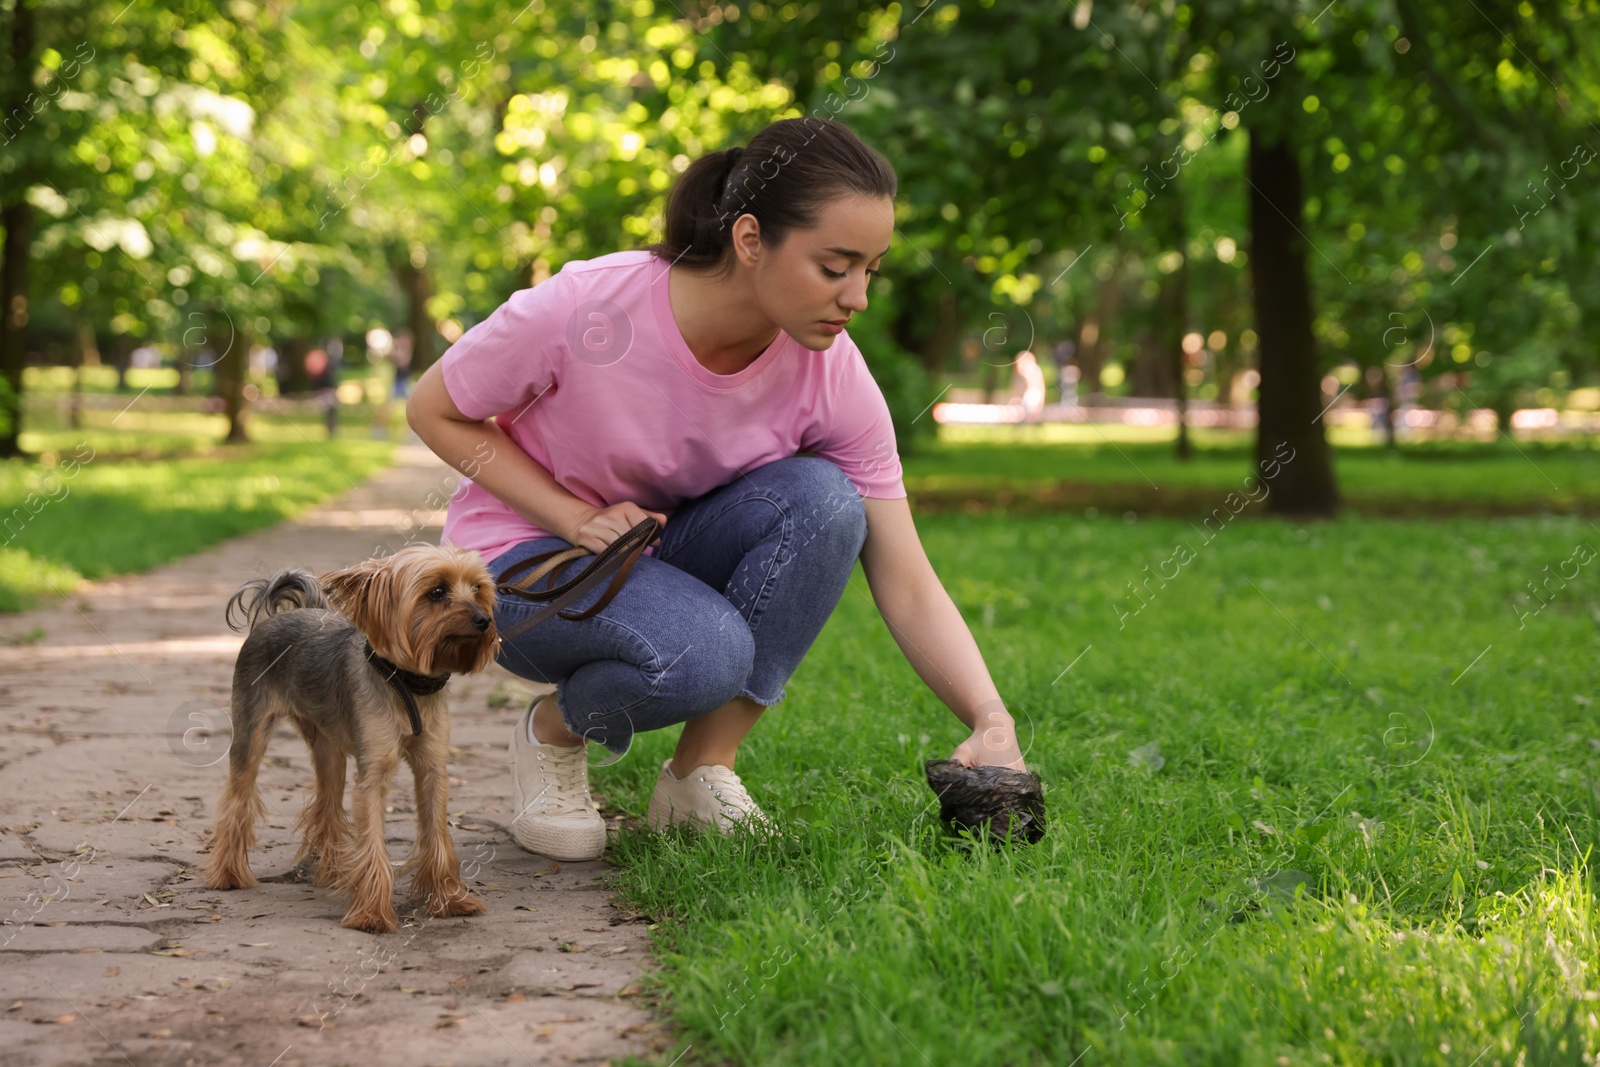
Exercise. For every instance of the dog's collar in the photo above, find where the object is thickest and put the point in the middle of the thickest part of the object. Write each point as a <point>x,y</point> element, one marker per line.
<point>407,683</point>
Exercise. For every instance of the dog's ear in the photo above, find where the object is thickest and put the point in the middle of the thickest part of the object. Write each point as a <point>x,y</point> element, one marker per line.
<point>358,592</point>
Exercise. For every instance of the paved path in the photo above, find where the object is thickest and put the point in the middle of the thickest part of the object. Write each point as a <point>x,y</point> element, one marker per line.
<point>117,954</point>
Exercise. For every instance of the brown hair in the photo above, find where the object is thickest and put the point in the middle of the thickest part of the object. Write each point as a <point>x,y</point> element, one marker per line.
<point>783,177</point>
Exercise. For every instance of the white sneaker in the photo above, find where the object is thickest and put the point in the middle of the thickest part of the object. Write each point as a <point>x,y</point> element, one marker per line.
<point>711,797</point>
<point>555,815</point>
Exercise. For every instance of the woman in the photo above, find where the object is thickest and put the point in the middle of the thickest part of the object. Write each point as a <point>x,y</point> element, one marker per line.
<point>681,382</point>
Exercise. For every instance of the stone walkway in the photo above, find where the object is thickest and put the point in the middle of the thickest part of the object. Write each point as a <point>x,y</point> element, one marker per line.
<point>115,953</point>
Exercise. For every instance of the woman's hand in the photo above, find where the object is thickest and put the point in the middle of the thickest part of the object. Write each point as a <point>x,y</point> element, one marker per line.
<point>598,527</point>
<point>993,744</point>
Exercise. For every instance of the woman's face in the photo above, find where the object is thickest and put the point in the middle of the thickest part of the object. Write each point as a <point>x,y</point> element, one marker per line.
<point>819,276</point>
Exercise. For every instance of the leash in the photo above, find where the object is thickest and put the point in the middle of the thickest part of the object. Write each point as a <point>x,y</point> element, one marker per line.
<point>618,559</point>
<point>406,683</point>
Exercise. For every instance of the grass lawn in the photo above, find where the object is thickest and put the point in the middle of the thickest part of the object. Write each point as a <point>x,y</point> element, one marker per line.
<point>1329,795</point>
<point>134,501</point>
<point>1121,468</point>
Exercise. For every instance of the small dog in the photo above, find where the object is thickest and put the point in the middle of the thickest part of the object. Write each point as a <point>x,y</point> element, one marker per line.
<point>359,662</point>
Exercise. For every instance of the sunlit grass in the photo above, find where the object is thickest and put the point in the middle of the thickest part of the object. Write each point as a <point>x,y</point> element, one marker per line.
<point>1362,708</point>
<point>108,502</point>
<point>1564,475</point>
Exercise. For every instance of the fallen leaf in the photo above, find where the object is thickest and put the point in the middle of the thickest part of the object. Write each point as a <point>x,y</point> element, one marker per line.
<point>111,972</point>
<point>515,996</point>
<point>15,1005</point>
<point>448,1021</point>
<point>63,1019</point>
<point>583,985</point>
<point>55,924</point>
<point>161,1033</point>
<point>631,991</point>
<point>315,1022</point>
<point>171,952</point>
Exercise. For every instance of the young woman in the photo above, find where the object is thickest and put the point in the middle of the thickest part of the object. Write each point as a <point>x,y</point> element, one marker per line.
<point>684,381</point>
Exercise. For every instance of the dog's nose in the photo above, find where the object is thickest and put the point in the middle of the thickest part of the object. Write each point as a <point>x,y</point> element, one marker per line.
<point>481,622</point>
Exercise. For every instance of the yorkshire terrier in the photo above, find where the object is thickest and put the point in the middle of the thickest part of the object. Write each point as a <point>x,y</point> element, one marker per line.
<point>358,661</point>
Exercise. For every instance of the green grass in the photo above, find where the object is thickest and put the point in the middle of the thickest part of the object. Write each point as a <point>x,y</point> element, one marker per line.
<point>135,501</point>
<point>1357,707</point>
<point>1124,470</point>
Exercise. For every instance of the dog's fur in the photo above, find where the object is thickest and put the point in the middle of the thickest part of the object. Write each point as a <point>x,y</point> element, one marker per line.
<point>426,609</point>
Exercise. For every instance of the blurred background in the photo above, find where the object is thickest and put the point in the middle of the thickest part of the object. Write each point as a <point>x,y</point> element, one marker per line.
<point>1138,245</point>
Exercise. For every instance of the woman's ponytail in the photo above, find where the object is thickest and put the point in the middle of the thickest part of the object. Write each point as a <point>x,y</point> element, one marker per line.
<point>783,177</point>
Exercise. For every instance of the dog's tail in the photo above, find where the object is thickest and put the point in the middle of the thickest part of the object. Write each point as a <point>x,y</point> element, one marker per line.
<point>262,598</point>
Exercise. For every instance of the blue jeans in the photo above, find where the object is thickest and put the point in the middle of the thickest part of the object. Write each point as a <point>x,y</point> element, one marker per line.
<point>726,605</point>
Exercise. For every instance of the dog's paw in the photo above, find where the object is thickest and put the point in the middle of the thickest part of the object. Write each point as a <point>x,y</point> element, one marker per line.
<point>454,900</point>
<point>373,922</point>
<point>230,878</point>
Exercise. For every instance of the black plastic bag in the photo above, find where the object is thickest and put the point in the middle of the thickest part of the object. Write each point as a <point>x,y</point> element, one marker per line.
<point>1007,801</point>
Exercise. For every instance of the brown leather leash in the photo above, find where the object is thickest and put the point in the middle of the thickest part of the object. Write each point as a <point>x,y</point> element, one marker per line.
<point>618,558</point>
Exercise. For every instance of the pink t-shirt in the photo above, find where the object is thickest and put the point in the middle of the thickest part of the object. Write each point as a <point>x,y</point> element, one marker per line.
<point>588,374</point>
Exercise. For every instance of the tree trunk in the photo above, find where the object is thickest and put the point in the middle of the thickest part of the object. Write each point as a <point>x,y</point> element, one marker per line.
<point>1172,318</point>
<point>1381,385</point>
<point>230,374</point>
<point>414,283</point>
<point>187,354</point>
<point>929,329</point>
<point>1290,441</point>
<point>1092,345</point>
<point>17,219</point>
<point>122,346</point>
<point>1151,373</point>
<point>88,356</point>
<point>88,345</point>
<point>1505,405</point>
<point>292,374</point>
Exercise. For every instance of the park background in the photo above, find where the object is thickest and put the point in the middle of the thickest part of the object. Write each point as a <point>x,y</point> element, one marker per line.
<point>1321,746</point>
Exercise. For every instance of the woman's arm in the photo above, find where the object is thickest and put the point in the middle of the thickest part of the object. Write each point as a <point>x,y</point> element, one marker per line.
<point>510,474</point>
<point>934,637</point>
